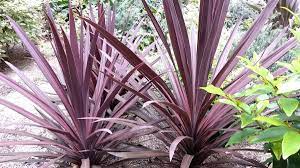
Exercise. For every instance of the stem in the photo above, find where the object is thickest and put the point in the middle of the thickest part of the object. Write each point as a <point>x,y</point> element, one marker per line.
<point>85,163</point>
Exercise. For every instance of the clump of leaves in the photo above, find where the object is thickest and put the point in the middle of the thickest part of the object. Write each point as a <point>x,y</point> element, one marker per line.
<point>268,110</point>
<point>197,127</point>
<point>29,19</point>
<point>87,122</point>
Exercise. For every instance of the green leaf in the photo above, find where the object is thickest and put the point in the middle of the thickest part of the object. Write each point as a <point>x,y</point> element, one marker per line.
<point>272,134</point>
<point>288,105</point>
<point>257,89</point>
<point>296,34</point>
<point>261,106</point>
<point>270,120</point>
<point>245,60</point>
<point>277,150</point>
<point>296,66</point>
<point>240,136</point>
<point>261,71</point>
<point>286,65</point>
<point>214,90</point>
<point>246,119</point>
<point>245,107</point>
<point>290,144</point>
<point>226,101</point>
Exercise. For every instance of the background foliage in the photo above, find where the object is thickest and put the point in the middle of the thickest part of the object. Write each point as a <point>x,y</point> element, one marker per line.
<point>128,13</point>
<point>24,12</point>
<point>269,110</point>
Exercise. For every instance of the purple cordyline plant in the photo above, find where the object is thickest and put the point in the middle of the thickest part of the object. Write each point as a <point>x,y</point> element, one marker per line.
<point>88,122</point>
<point>198,127</point>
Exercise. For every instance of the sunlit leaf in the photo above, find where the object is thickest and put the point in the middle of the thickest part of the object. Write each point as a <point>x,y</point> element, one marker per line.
<point>245,107</point>
<point>229,102</point>
<point>288,105</point>
<point>277,149</point>
<point>270,120</point>
<point>214,90</point>
<point>290,144</point>
<point>246,119</point>
<point>262,105</point>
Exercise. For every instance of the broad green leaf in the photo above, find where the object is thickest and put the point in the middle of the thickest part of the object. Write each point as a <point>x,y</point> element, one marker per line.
<point>263,72</point>
<point>257,89</point>
<point>287,65</point>
<point>296,65</point>
<point>246,119</point>
<point>296,34</point>
<point>290,144</point>
<point>270,120</point>
<point>245,107</point>
<point>245,60</point>
<point>279,80</point>
<point>263,89</point>
<point>288,105</point>
<point>229,102</point>
<point>240,136</point>
<point>277,150</point>
<point>214,90</point>
<point>253,107</point>
<point>239,94</point>
<point>272,134</point>
<point>261,106</point>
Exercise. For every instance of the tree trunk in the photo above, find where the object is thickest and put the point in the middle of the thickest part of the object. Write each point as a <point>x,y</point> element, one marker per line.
<point>85,163</point>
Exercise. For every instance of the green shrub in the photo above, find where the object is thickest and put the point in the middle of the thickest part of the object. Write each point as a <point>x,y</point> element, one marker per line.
<point>269,109</point>
<point>25,13</point>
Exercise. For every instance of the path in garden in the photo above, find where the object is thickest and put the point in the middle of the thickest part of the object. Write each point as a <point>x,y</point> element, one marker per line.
<point>12,120</point>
